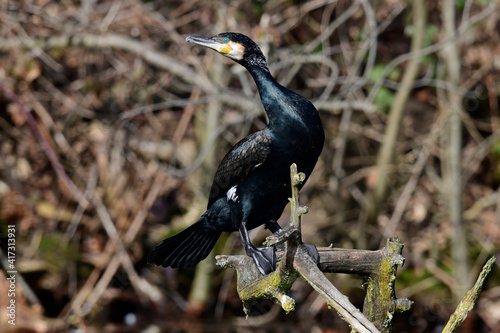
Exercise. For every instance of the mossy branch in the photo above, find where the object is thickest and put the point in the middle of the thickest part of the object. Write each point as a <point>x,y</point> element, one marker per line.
<point>295,261</point>
<point>334,298</point>
<point>380,301</point>
<point>252,287</point>
<point>378,268</point>
<point>469,300</point>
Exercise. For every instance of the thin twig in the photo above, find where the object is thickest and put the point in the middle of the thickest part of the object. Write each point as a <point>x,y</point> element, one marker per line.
<point>89,192</point>
<point>469,300</point>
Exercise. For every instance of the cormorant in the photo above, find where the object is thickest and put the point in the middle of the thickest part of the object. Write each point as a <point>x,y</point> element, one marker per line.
<point>252,185</point>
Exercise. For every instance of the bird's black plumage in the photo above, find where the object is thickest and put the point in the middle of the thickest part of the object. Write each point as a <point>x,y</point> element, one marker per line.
<point>251,186</point>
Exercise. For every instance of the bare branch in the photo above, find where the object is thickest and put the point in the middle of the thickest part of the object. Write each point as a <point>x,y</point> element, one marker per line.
<point>386,153</point>
<point>120,42</point>
<point>467,303</point>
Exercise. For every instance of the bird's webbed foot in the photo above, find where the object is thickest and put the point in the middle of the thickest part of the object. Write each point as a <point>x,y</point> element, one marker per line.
<point>275,228</point>
<point>313,252</point>
<point>264,258</point>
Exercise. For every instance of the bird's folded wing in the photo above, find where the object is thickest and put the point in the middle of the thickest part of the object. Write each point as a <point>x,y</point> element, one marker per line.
<point>239,162</point>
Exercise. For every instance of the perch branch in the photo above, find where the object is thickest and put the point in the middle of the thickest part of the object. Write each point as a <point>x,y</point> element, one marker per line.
<point>294,261</point>
<point>334,298</point>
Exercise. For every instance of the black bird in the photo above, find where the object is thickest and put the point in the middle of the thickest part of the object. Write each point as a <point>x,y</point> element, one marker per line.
<point>252,184</point>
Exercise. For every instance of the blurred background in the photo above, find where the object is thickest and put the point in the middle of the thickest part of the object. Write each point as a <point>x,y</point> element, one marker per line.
<point>112,127</point>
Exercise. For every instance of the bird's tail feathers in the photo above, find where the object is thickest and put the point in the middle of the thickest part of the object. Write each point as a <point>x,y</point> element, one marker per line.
<point>186,248</point>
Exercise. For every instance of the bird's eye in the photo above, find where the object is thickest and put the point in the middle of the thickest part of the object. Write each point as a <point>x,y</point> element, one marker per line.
<point>226,40</point>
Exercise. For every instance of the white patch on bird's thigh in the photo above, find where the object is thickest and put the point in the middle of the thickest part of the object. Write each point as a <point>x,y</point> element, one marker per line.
<point>231,194</point>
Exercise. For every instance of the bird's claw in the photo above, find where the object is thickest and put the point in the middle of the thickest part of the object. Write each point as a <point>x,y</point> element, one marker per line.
<point>264,258</point>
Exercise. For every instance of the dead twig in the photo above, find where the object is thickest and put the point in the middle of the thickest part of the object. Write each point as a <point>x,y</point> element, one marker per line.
<point>469,300</point>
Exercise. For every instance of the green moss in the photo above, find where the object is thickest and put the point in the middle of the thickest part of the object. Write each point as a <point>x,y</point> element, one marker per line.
<point>274,285</point>
<point>380,300</point>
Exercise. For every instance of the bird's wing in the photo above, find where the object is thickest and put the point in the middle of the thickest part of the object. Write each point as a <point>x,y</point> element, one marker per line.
<point>239,162</point>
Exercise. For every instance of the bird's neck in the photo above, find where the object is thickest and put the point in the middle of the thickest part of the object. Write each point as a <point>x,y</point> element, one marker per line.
<point>278,101</point>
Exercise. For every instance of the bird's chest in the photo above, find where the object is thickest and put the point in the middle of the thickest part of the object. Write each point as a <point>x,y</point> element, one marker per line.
<point>291,144</point>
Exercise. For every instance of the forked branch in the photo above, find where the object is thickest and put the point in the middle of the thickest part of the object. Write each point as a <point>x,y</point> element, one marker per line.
<point>295,261</point>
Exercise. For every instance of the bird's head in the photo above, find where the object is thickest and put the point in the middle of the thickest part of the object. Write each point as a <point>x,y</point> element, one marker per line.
<point>235,46</point>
